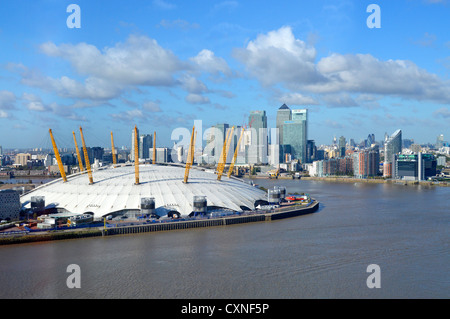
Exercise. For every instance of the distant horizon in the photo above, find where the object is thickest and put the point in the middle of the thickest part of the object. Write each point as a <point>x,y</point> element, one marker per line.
<point>128,147</point>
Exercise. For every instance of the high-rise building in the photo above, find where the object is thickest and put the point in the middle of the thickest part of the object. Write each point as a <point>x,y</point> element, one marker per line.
<point>94,153</point>
<point>440,141</point>
<point>145,142</point>
<point>311,151</point>
<point>217,138</point>
<point>133,144</point>
<point>295,135</point>
<point>370,140</point>
<point>300,115</point>
<point>257,153</point>
<point>162,154</point>
<point>283,114</point>
<point>392,146</point>
<point>342,145</point>
<point>366,162</point>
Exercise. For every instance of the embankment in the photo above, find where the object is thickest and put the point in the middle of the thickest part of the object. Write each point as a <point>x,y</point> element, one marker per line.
<point>281,213</point>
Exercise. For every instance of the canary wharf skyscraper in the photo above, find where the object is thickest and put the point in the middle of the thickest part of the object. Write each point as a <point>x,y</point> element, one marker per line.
<point>257,153</point>
<point>145,142</point>
<point>283,114</point>
<point>295,134</point>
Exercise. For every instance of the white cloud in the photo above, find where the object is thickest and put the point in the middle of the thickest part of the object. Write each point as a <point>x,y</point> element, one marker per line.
<point>93,88</point>
<point>333,124</point>
<point>7,100</point>
<point>206,61</point>
<point>224,5</point>
<point>197,99</point>
<point>178,24</point>
<point>193,85</point>
<point>364,73</point>
<point>164,4</point>
<point>34,102</point>
<point>138,61</point>
<point>112,71</point>
<point>129,115</point>
<point>427,40</point>
<point>442,112</point>
<point>339,100</point>
<point>297,99</point>
<point>152,106</point>
<point>278,58</point>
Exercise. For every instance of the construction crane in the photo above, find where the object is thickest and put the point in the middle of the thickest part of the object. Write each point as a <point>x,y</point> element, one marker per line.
<point>86,158</point>
<point>136,157</point>
<point>223,156</point>
<point>58,158</point>
<point>80,162</point>
<point>230,170</point>
<point>250,123</point>
<point>113,151</point>
<point>154,147</point>
<point>190,156</point>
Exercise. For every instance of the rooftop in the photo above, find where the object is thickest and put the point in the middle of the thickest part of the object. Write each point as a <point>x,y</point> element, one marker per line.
<point>114,190</point>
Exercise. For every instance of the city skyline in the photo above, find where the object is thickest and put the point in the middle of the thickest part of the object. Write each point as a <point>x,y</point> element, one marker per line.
<point>270,134</point>
<point>161,65</point>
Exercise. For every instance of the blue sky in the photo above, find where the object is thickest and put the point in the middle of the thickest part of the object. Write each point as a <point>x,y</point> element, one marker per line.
<point>162,64</point>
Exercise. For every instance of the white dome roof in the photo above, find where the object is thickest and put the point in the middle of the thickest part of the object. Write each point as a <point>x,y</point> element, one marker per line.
<point>114,190</point>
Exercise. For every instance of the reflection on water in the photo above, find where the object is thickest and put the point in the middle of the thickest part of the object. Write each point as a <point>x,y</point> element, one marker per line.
<point>403,229</point>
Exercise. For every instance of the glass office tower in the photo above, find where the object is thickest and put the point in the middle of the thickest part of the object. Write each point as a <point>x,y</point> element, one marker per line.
<point>295,136</point>
<point>257,153</point>
<point>283,114</point>
<point>392,147</point>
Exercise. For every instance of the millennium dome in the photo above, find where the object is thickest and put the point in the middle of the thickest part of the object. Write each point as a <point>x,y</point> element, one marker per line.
<point>114,191</point>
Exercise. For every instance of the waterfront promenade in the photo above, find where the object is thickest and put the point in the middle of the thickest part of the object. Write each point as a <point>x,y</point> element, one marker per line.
<point>245,217</point>
<point>345,179</point>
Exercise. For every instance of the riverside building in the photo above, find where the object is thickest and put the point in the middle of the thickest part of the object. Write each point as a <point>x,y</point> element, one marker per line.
<point>416,167</point>
<point>392,146</point>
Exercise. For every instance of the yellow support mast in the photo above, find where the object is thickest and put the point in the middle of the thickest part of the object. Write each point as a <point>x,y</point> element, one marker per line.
<point>136,157</point>
<point>230,136</point>
<point>230,170</point>
<point>113,150</point>
<point>193,148</point>
<point>190,157</point>
<point>80,162</point>
<point>223,156</point>
<point>86,158</point>
<point>154,148</point>
<point>58,158</point>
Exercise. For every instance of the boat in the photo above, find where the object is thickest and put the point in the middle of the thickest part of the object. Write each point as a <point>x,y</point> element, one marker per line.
<point>296,197</point>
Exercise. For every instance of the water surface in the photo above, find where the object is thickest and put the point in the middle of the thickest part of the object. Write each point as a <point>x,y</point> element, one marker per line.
<point>403,229</point>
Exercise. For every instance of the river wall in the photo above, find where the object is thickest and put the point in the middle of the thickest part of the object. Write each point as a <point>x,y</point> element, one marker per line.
<point>162,226</point>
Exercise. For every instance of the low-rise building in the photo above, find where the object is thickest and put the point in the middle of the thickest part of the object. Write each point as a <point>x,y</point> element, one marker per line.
<point>415,166</point>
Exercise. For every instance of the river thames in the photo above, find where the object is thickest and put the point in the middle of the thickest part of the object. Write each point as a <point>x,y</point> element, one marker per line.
<point>402,229</point>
